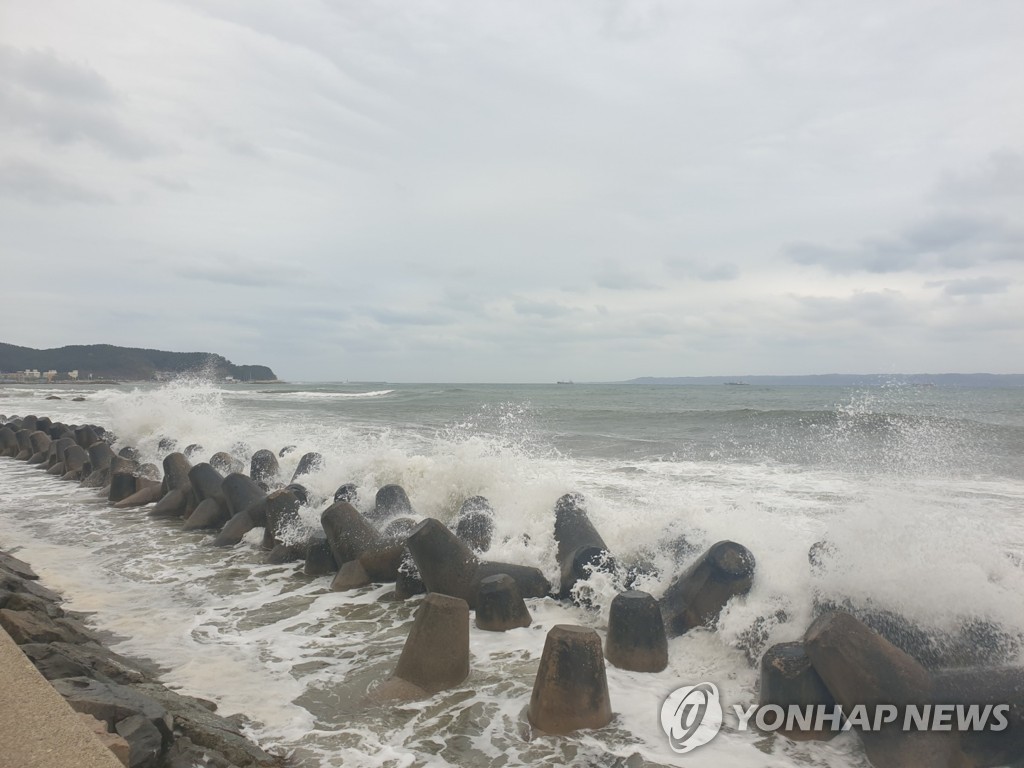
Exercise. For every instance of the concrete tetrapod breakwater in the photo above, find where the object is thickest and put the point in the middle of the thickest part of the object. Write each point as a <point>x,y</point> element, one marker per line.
<point>390,541</point>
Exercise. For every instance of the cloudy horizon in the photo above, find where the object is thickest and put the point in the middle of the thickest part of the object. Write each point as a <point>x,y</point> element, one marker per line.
<point>478,191</point>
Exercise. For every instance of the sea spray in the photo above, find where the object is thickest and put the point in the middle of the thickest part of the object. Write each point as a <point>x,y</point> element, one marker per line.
<point>919,503</point>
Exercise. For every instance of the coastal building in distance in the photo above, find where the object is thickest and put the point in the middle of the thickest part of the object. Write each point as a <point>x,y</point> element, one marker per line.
<point>34,376</point>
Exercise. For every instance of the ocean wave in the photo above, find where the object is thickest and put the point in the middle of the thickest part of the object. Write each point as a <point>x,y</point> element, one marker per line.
<point>327,395</point>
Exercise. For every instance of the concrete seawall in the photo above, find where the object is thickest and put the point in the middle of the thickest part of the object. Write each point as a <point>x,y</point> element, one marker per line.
<point>38,729</point>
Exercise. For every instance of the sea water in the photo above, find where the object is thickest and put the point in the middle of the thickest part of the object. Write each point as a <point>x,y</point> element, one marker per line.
<point>918,490</point>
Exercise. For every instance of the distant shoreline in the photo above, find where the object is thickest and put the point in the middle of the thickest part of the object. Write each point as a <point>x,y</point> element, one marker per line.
<point>848,379</point>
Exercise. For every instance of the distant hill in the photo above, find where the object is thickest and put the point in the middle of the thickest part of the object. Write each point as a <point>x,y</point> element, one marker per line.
<point>851,379</point>
<point>103,361</point>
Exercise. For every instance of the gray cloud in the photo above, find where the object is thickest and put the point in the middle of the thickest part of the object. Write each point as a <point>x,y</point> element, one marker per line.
<point>43,72</point>
<point>973,286</point>
<point>881,309</point>
<point>389,316</point>
<point>477,190</point>
<point>952,241</point>
<point>713,272</point>
<point>542,309</point>
<point>37,184</point>
<point>64,103</point>
<point>616,277</point>
<point>1000,176</point>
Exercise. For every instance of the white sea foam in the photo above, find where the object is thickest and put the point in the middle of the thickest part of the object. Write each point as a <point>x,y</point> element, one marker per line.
<point>266,641</point>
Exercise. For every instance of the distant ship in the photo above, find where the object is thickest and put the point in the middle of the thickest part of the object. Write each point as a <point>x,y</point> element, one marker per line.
<point>735,383</point>
<point>563,382</point>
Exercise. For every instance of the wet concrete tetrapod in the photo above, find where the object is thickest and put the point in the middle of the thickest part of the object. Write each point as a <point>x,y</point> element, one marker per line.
<point>580,546</point>
<point>436,653</point>
<point>860,667</point>
<point>475,523</point>
<point>570,691</point>
<point>390,501</point>
<point>309,463</point>
<point>319,558</point>
<point>447,565</point>
<point>984,687</point>
<point>282,511</point>
<point>697,596</point>
<point>263,467</point>
<point>499,606</point>
<point>636,633</point>
<point>349,534</point>
<point>789,679</point>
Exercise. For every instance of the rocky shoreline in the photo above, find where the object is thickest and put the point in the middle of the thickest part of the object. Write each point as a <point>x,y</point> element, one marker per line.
<point>144,723</point>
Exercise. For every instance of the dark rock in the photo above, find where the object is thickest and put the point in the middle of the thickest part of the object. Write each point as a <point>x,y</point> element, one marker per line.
<point>206,729</point>
<point>11,583</point>
<point>286,450</point>
<point>26,601</point>
<point>31,627</point>
<point>18,567</point>
<point>145,742</point>
<point>112,703</point>
<point>92,659</point>
<point>167,444</point>
<point>193,449</point>
<point>184,754</point>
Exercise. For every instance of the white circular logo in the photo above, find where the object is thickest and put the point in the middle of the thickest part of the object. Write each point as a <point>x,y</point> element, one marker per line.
<point>691,716</point>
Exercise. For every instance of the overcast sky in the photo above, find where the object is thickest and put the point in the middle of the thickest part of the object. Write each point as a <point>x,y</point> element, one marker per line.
<point>518,191</point>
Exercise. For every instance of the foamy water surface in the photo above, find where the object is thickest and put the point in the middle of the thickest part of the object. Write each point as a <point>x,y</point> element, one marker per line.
<point>920,495</point>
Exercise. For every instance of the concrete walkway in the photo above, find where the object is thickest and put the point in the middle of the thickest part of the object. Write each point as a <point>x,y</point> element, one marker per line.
<point>38,729</point>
